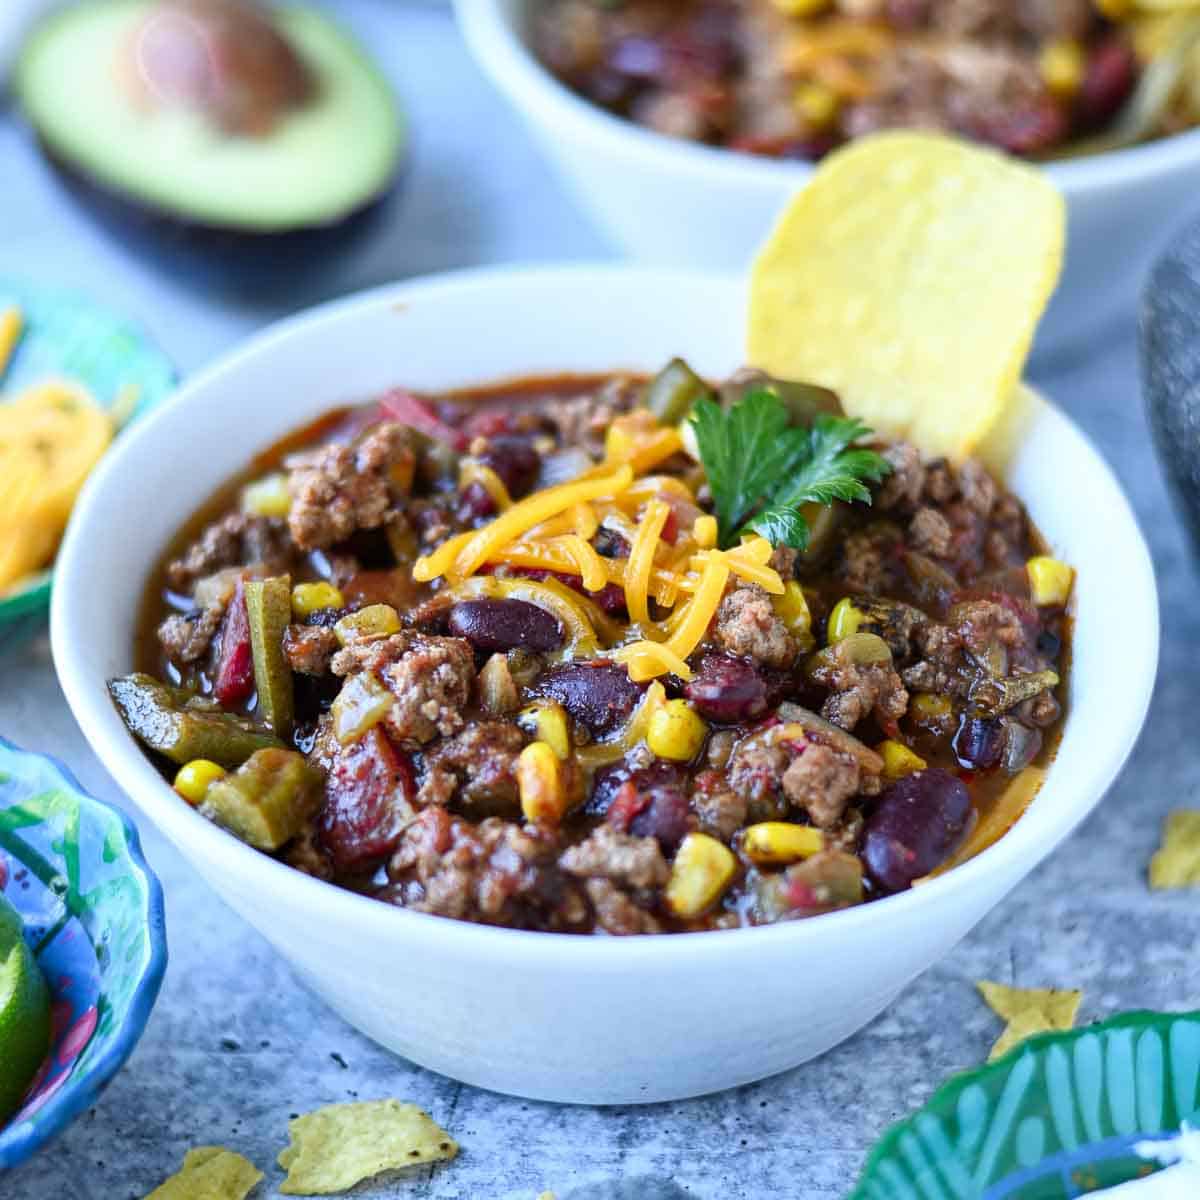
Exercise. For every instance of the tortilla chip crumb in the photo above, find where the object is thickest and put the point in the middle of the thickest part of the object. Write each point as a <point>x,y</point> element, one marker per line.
<point>1177,864</point>
<point>210,1173</point>
<point>1028,1011</point>
<point>340,1145</point>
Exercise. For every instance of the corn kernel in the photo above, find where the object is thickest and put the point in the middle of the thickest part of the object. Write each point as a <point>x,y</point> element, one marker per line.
<point>702,870</point>
<point>843,621</point>
<point>547,721</point>
<point>1062,65</point>
<point>704,531</point>
<point>929,706</point>
<point>193,779</point>
<point>540,784</point>
<point>1049,580</point>
<point>308,598</point>
<point>816,105</point>
<point>792,609</point>
<point>376,620</point>
<point>773,842</point>
<point>267,497</point>
<point>898,759</point>
<point>11,324</point>
<point>801,8</point>
<point>1115,10</point>
<point>676,731</point>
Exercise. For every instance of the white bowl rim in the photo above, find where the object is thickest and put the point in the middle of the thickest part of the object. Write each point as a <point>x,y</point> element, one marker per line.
<point>131,768</point>
<point>518,72</point>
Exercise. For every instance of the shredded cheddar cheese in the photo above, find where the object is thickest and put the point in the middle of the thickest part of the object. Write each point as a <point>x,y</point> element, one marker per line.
<point>552,530</point>
<point>641,561</point>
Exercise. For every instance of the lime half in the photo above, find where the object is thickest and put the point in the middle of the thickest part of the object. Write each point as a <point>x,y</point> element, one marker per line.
<point>24,1013</point>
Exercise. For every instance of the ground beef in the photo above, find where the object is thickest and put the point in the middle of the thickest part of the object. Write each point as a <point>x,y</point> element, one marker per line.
<point>310,648</point>
<point>632,862</point>
<point>620,875</point>
<point>859,690</point>
<point>431,678</point>
<point>815,778</point>
<point>341,488</point>
<point>720,810</point>
<point>902,488</point>
<point>930,533</point>
<point>495,873</point>
<point>1013,20</point>
<point>821,781</point>
<point>978,636</point>
<point>584,420</point>
<point>305,854</point>
<point>476,768</point>
<point>748,626</point>
<point>976,487</point>
<point>186,637</point>
<point>991,92</point>
<point>871,559</point>
<point>236,540</point>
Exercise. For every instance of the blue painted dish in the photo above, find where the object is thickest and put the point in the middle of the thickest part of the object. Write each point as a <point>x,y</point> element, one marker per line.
<point>1055,1119</point>
<point>73,868</point>
<point>68,336</point>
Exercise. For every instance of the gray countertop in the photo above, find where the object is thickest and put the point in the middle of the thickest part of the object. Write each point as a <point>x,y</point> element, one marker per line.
<point>236,1044</point>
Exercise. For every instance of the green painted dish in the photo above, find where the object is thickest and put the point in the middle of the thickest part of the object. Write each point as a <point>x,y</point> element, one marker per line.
<point>67,335</point>
<point>1054,1119</point>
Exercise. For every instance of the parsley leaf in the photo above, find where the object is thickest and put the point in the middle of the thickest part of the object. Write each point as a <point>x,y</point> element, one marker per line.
<point>761,469</point>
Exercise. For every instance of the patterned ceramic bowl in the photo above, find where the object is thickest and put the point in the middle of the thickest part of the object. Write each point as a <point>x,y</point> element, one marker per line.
<point>1054,1120</point>
<point>93,912</point>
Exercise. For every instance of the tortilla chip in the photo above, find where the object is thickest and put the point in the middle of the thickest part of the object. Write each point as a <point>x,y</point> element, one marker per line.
<point>1177,864</point>
<point>909,276</point>
<point>210,1173</point>
<point>338,1146</point>
<point>1028,1011</point>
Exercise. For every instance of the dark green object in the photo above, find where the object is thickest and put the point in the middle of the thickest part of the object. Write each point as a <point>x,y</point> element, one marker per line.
<point>671,394</point>
<point>183,727</point>
<point>268,800</point>
<point>269,608</point>
<point>1170,351</point>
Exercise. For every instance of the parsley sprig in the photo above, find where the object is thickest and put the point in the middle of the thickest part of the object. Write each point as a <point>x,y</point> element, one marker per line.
<point>761,469</point>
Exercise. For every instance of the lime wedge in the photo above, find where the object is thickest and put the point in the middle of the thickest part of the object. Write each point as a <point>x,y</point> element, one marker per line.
<point>24,1012</point>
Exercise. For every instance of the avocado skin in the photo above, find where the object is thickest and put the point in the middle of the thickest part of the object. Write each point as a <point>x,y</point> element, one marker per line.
<point>1170,361</point>
<point>246,257</point>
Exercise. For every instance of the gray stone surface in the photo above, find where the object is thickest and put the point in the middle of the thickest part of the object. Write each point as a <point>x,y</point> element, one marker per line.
<point>236,1044</point>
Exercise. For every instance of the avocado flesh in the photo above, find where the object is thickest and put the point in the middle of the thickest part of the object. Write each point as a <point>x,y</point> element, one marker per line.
<point>322,163</point>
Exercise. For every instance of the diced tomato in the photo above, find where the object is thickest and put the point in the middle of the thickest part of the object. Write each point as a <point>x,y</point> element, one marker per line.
<point>402,406</point>
<point>235,661</point>
<point>626,804</point>
<point>670,529</point>
<point>369,795</point>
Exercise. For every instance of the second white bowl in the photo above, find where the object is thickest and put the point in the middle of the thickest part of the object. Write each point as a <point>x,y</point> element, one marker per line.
<point>550,1016</point>
<point>676,203</point>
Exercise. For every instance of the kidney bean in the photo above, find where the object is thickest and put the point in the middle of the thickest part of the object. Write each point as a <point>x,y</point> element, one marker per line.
<point>609,781</point>
<point>515,461</point>
<point>666,817</point>
<point>979,743</point>
<point>369,793</point>
<point>475,504</point>
<point>916,825</point>
<point>600,695</point>
<point>727,690</point>
<point>505,625</point>
<point>1109,78</point>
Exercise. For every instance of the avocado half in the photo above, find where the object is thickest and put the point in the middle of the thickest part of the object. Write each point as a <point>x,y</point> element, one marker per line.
<point>321,163</point>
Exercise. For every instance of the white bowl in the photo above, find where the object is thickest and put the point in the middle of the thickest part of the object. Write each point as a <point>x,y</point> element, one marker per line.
<point>677,203</point>
<point>554,1017</point>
